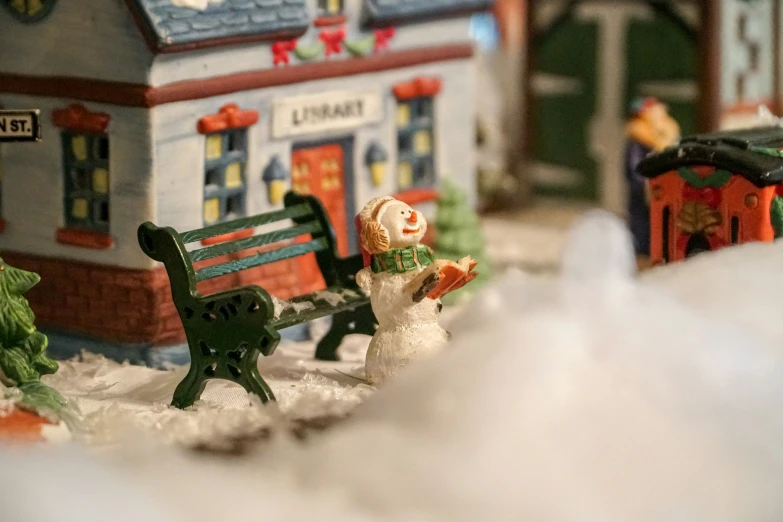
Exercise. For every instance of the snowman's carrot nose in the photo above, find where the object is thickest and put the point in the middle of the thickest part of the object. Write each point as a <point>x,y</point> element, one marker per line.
<point>414,217</point>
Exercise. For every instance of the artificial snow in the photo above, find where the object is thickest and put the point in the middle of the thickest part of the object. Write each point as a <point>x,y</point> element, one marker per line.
<point>767,118</point>
<point>282,305</point>
<point>332,298</point>
<point>591,396</point>
<point>115,402</point>
<point>741,285</point>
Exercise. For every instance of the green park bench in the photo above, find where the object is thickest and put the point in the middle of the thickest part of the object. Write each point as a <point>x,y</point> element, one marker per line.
<point>227,330</point>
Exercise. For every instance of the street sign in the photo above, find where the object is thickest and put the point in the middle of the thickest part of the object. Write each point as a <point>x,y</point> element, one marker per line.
<point>20,125</point>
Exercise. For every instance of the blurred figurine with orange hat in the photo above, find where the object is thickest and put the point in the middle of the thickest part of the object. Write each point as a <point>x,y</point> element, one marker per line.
<point>649,129</point>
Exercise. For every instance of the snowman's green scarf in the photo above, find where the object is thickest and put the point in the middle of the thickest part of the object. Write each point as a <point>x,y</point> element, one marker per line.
<point>401,260</point>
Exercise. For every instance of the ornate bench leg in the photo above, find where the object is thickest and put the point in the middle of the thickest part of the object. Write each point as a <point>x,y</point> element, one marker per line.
<point>359,320</point>
<point>190,389</point>
<point>251,380</point>
<point>256,384</point>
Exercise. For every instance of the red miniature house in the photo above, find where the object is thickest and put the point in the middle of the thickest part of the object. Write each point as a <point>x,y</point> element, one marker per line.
<point>715,190</point>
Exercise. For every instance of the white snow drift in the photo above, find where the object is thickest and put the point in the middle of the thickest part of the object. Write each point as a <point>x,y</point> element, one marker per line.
<point>591,397</point>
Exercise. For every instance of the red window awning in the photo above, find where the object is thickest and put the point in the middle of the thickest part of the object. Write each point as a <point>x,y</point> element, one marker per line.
<point>229,117</point>
<point>77,118</point>
<point>417,88</point>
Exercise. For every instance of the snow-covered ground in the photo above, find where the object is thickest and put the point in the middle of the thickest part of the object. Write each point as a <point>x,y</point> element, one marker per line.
<point>590,395</point>
<point>113,400</point>
<point>531,239</point>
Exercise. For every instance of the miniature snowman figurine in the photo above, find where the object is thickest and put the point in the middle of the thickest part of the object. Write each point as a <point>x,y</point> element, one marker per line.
<point>405,283</point>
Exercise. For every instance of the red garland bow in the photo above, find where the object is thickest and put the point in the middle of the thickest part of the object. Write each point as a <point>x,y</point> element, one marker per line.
<point>709,195</point>
<point>382,37</point>
<point>333,40</point>
<point>281,49</point>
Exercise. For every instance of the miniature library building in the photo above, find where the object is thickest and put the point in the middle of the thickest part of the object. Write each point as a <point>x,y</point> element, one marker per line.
<point>189,113</point>
<point>715,190</point>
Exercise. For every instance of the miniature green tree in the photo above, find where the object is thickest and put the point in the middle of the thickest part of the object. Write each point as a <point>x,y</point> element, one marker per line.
<point>23,357</point>
<point>459,234</point>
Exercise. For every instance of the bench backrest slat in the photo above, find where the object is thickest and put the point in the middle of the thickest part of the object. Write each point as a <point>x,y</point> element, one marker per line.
<point>236,225</point>
<point>254,241</point>
<point>210,272</point>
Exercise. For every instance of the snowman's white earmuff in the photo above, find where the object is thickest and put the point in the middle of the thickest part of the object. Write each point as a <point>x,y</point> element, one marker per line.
<point>374,236</point>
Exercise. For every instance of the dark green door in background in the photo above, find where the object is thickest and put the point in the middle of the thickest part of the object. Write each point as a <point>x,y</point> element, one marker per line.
<point>661,61</point>
<point>568,87</point>
<point>563,93</point>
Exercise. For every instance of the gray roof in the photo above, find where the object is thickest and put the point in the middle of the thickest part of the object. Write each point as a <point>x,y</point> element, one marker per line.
<point>380,12</point>
<point>168,27</point>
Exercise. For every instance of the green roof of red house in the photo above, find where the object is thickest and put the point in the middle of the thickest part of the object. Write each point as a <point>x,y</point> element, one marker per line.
<point>756,154</point>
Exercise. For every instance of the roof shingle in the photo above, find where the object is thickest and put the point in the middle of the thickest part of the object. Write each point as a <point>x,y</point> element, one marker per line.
<point>381,12</point>
<point>170,27</point>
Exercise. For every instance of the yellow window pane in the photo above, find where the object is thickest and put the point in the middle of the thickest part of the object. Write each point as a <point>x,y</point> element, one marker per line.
<point>295,172</point>
<point>304,169</point>
<point>403,115</point>
<point>326,165</point>
<point>33,6</point>
<point>326,184</point>
<point>335,183</point>
<point>422,142</point>
<point>211,210</point>
<point>234,175</point>
<point>214,146</point>
<point>100,181</point>
<point>333,6</point>
<point>18,5</point>
<point>405,175</point>
<point>79,147</point>
<point>305,188</point>
<point>80,208</point>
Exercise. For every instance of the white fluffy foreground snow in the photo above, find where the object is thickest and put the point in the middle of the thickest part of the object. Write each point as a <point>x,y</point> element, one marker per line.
<point>592,397</point>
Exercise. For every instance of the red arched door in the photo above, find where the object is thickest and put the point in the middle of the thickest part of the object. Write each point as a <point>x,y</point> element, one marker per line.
<point>320,171</point>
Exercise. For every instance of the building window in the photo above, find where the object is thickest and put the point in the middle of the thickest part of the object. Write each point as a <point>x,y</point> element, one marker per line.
<point>330,7</point>
<point>225,186</point>
<point>415,143</point>
<point>225,154</point>
<point>85,153</point>
<point>86,164</point>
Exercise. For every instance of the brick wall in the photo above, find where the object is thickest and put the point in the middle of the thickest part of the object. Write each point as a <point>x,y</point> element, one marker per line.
<point>135,306</point>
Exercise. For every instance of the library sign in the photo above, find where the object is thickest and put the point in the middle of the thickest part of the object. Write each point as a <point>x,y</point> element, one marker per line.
<point>325,112</point>
<point>20,125</point>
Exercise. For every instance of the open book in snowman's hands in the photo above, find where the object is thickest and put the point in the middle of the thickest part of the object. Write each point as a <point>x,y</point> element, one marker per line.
<point>441,277</point>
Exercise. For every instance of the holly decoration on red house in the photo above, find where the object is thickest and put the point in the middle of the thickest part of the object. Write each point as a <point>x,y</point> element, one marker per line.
<point>699,213</point>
